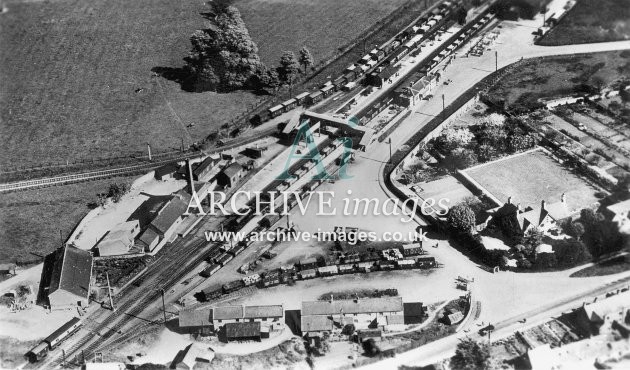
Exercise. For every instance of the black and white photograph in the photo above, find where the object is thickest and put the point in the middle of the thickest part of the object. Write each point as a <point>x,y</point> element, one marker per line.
<point>315,184</point>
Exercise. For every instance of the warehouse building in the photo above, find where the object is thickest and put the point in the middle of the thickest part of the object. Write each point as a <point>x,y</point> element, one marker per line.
<point>71,279</point>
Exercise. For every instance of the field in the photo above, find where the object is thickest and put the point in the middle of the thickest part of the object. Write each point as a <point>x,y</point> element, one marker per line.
<point>30,221</point>
<point>559,76</point>
<point>324,26</point>
<point>592,21</point>
<point>532,177</point>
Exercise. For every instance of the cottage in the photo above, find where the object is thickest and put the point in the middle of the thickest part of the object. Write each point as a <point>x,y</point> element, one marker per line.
<point>545,217</point>
<point>71,278</point>
<point>120,239</point>
<point>230,175</point>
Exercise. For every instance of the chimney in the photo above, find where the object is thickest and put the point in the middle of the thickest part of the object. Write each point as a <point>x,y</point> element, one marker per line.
<point>563,198</point>
<point>509,200</point>
<point>191,183</point>
<point>542,204</point>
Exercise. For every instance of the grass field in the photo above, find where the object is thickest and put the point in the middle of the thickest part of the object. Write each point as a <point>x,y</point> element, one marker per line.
<point>532,177</point>
<point>323,26</point>
<point>76,79</point>
<point>609,267</point>
<point>30,220</point>
<point>559,76</point>
<point>592,21</point>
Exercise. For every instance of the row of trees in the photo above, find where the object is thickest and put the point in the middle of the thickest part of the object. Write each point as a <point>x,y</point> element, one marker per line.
<point>225,58</point>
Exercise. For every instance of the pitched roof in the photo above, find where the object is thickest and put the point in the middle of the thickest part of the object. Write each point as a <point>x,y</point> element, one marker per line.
<point>166,169</point>
<point>148,236</point>
<point>363,305</point>
<point>232,169</point>
<point>255,312</point>
<point>227,312</point>
<point>242,329</point>
<point>169,214</point>
<point>62,329</point>
<point>196,318</point>
<point>206,164</point>
<point>72,271</point>
<point>316,323</point>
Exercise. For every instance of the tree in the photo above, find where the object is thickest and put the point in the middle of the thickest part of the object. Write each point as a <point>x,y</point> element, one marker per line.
<point>306,58</point>
<point>453,138</point>
<point>116,191</point>
<point>571,252</point>
<point>289,67</point>
<point>461,15</point>
<point>461,218</point>
<point>471,355</point>
<point>517,143</point>
<point>461,158</point>
<point>370,347</point>
<point>223,57</point>
<point>486,152</point>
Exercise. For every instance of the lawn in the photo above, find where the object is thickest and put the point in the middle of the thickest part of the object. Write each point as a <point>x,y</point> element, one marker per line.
<point>608,267</point>
<point>558,76</point>
<point>592,21</point>
<point>532,177</point>
<point>30,220</point>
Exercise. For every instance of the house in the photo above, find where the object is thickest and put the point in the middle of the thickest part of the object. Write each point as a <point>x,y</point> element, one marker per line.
<point>166,172</point>
<point>163,226</point>
<point>201,172</point>
<point>230,175</point>
<point>605,315</point>
<point>363,313</point>
<point>120,239</point>
<point>71,278</point>
<point>413,249</point>
<point>242,331</point>
<point>545,217</point>
<point>620,214</point>
<point>196,321</point>
<point>187,358</point>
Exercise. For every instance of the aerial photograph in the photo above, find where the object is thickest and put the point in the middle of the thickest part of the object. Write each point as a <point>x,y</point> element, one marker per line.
<point>315,184</point>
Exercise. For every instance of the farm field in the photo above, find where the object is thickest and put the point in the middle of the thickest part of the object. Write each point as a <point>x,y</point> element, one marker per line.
<point>30,220</point>
<point>78,82</point>
<point>324,26</point>
<point>592,21</point>
<point>532,177</point>
<point>556,76</point>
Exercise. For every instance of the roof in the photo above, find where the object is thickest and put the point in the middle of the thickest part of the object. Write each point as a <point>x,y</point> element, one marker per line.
<point>412,246</point>
<point>242,329</point>
<point>227,312</point>
<point>254,312</point>
<point>119,238</point>
<point>72,271</point>
<point>364,305</point>
<point>544,248</point>
<point>302,95</point>
<point>169,214</point>
<point>206,164</point>
<point>536,216</point>
<point>166,169</point>
<point>275,108</point>
<point>290,101</point>
<point>316,323</point>
<point>193,352</point>
<point>201,317</point>
<point>232,169</point>
<point>455,317</point>
<point>62,329</point>
<point>395,320</point>
<point>148,236</point>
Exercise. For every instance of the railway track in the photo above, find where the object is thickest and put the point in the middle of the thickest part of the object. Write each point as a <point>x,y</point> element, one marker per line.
<point>90,175</point>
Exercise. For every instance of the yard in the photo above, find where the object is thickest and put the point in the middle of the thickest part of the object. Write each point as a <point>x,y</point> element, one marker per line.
<point>559,76</point>
<point>592,21</point>
<point>532,177</point>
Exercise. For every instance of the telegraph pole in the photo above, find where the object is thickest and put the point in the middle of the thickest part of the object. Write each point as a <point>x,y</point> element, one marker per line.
<point>149,150</point>
<point>390,150</point>
<point>443,108</point>
<point>163,305</point>
<point>109,292</point>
